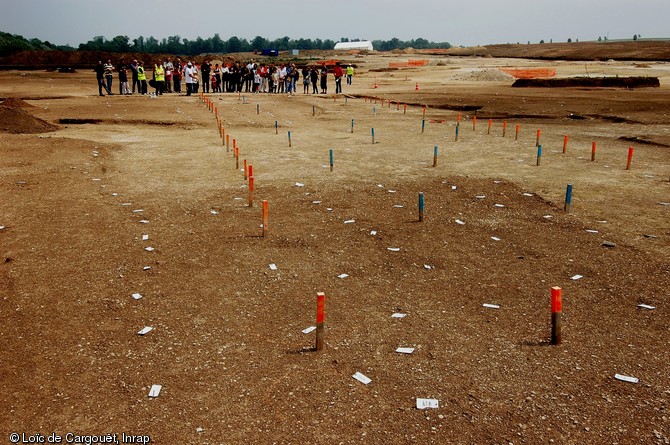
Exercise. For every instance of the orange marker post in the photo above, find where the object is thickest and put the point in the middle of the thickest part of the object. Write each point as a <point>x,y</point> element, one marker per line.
<point>537,138</point>
<point>556,313</point>
<point>423,112</point>
<point>251,170</point>
<point>490,123</point>
<point>504,128</point>
<point>565,143</point>
<point>244,163</point>
<point>237,158</point>
<point>593,151</point>
<point>458,118</point>
<point>320,318</point>
<point>630,157</point>
<point>404,106</point>
<point>516,132</point>
<point>227,143</point>
<point>474,123</point>
<point>251,191</point>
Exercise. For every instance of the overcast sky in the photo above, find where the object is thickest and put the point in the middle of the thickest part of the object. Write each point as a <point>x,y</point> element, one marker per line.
<point>466,22</point>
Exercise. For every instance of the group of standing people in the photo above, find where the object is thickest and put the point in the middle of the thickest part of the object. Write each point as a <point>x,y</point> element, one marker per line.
<point>249,77</point>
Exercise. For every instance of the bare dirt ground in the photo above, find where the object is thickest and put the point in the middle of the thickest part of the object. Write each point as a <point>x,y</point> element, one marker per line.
<point>227,345</point>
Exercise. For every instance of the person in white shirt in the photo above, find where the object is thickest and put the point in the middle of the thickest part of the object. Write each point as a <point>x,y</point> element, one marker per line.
<point>188,78</point>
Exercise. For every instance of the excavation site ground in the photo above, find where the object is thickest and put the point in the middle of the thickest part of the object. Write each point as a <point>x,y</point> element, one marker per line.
<point>125,212</point>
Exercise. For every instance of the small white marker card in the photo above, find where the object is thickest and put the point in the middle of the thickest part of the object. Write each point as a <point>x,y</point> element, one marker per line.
<point>138,211</point>
<point>646,306</point>
<point>144,221</point>
<point>373,232</point>
<point>145,330</point>
<point>362,378</point>
<point>527,194</point>
<point>308,330</point>
<point>137,296</point>
<point>398,315</point>
<point>350,221</point>
<point>146,268</point>
<point>393,249</point>
<point>273,266</point>
<point>145,237</point>
<point>458,221</point>
<point>480,196</point>
<point>149,249</point>
<point>576,277</point>
<point>626,378</point>
<point>299,184</point>
<point>495,238</point>
<point>343,275</point>
<point>155,390</point>
<point>427,403</point>
<point>404,350</point>
<point>499,205</point>
<point>491,306</point>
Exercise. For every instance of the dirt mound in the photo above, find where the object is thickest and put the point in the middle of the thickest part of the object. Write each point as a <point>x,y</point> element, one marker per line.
<point>14,119</point>
<point>15,102</point>
<point>487,75</point>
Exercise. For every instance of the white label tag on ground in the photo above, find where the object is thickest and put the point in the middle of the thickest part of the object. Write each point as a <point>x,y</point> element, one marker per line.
<point>427,266</point>
<point>453,187</point>
<point>373,232</point>
<point>146,268</point>
<point>138,210</point>
<point>547,217</point>
<point>393,249</point>
<point>405,350</point>
<point>495,238</point>
<point>308,330</point>
<point>144,221</point>
<point>576,277</point>
<point>137,296</point>
<point>591,231</point>
<point>125,204</point>
<point>398,315</point>
<point>2,227</point>
<point>145,237</point>
<point>427,403</point>
<point>145,330</point>
<point>273,266</point>
<point>491,306</point>
<point>316,202</point>
<point>527,194</point>
<point>299,184</point>
<point>498,205</point>
<point>398,206</point>
<point>458,221</point>
<point>350,221</point>
<point>626,378</point>
<point>213,212</point>
<point>149,249</point>
<point>391,191</point>
<point>480,196</point>
<point>646,306</point>
<point>362,378</point>
<point>155,390</point>
<point>343,275</point>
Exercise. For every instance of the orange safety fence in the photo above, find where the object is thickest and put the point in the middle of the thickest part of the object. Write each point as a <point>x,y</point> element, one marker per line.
<point>422,62</point>
<point>529,73</point>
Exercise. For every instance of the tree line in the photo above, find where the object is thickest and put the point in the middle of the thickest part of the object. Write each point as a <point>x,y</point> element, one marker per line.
<point>10,43</point>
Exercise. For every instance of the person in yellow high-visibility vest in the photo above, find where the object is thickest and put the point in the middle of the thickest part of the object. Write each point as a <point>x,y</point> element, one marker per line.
<point>141,79</point>
<point>159,78</point>
<point>350,74</point>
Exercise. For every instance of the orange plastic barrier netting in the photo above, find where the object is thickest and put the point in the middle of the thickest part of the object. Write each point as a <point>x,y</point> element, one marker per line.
<point>529,73</point>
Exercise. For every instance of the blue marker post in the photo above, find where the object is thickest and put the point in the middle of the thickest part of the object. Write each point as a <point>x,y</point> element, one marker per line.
<point>289,138</point>
<point>435,156</point>
<point>373,135</point>
<point>420,206</point>
<point>423,125</point>
<point>539,153</point>
<point>457,126</point>
<point>352,126</point>
<point>276,127</point>
<point>331,159</point>
<point>568,198</point>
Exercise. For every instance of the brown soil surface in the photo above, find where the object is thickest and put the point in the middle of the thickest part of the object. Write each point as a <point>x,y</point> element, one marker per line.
<point>227,345</point>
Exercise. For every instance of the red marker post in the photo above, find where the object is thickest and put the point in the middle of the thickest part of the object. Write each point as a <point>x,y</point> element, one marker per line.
<point>490,123</point>
<point>565,143</point>
<point>630,158</point>
<point>537,137</point>
<point>320,318</point>
<point>251,191</point>
<point>593,151</point>
<point>556,312</point>
<point>504,128</point>
<point>516,132</point>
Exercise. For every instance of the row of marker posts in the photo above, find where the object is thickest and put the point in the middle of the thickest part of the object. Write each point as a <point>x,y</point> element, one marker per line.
<point>248,169</point>
<point>556,292</point>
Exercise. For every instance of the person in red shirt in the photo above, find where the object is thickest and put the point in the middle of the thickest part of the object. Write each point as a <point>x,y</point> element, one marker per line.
<point>339,73</point>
